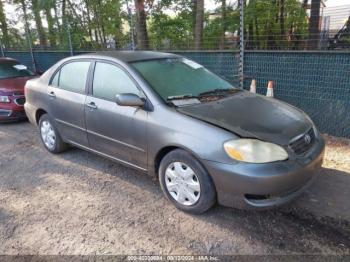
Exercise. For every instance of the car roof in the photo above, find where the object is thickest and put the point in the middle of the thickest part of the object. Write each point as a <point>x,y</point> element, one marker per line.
<point>6,59</point>
<point>133,56</point>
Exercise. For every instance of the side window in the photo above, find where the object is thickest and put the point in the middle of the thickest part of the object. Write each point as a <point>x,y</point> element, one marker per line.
<point>110,80</point>
<point>72,76</point>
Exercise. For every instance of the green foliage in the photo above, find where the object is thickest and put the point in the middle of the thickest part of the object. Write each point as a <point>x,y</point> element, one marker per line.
<point>101,24</point>
<point>171,31</point>
<point>175,30</point>
<point>213,29</point>
<point>263,17</point>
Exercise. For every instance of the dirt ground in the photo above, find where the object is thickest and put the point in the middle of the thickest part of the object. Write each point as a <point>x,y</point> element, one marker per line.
<point>80,203</point>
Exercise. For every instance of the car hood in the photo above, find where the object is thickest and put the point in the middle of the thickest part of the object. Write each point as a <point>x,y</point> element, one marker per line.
<point>16,84</point>
<point>251,115</point>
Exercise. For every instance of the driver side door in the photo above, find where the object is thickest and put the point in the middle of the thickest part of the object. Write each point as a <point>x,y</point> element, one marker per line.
<point>115,131</point>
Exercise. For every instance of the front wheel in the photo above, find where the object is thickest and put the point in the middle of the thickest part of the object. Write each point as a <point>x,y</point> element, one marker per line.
<point>50,136</point>
<point>186,183</point>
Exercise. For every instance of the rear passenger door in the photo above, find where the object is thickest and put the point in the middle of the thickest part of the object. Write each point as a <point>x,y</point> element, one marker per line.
<point>67,94</point>
<point>113,130</point>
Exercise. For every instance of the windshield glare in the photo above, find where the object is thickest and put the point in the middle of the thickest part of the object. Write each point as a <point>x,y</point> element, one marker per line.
<point>11,69</point>
<point>179,77</point>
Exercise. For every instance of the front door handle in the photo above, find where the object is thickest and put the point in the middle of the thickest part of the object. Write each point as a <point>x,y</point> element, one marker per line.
<point>52,94</point>
<point>91,105</point>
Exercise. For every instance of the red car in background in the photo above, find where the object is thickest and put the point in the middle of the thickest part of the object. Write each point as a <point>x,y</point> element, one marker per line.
<point>13,77</point>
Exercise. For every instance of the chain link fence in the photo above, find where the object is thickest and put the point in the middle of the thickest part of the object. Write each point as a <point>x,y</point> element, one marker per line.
<point>318,82</point>
<point>306,53</point>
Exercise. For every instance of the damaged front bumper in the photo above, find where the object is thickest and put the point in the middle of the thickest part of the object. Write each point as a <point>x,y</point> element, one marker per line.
<point>246,185</point>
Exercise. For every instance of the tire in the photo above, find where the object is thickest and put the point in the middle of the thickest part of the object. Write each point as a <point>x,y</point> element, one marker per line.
<point>189,172</point>
<point>54,145</point>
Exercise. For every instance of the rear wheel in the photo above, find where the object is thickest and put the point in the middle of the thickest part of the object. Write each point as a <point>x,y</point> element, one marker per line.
<point>186,183</point>
<point>50,136</point>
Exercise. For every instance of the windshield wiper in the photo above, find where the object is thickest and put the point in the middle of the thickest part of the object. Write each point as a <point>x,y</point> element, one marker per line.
<point>219,91</point>
<point>181,97</point>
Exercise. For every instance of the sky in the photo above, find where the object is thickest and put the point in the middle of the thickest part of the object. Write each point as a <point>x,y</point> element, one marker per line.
<point>331,3</point>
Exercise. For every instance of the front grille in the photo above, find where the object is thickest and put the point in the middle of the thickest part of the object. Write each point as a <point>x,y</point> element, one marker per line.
<point>20,101</point>
<point>4,112</point>
<point>19,114</point>
<point>302,144</point>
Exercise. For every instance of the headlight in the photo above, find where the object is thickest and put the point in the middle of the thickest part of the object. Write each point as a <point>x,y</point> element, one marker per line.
<point>4,99</point>
<point>254,151</point>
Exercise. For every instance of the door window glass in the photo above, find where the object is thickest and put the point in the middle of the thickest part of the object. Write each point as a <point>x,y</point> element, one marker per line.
<point>110,80</point>
<point>73,76</point>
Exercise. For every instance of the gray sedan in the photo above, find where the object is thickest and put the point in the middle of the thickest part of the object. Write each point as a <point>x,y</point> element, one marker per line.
<point>169,116</point>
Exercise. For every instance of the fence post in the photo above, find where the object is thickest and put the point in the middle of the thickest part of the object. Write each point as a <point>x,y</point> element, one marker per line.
<point>241,43</point>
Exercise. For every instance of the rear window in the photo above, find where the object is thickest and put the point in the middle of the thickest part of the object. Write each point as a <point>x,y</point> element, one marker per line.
<point>12,69</point>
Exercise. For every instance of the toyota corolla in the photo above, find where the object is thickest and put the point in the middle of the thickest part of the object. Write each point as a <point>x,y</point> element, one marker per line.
<point>166,115</point>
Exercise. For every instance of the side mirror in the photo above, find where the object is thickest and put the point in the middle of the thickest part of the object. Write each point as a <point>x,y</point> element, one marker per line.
<point>129,100</point>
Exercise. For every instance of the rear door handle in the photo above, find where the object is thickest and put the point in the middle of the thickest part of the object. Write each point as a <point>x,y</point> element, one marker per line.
<point>91,105</point>
<point>52,94</point>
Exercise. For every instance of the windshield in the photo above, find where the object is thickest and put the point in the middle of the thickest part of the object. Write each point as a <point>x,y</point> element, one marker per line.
<point>10,69</point>
<point>179,77</point>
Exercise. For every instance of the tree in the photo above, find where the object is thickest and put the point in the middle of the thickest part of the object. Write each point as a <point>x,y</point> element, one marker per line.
<point>57,22</point>
<point>101,22</point>
<point>275,24</point>
<point>141,25</point>
<point>39,25</point>
<point>223,24</point>
<point>198,28</point>
<point>111,19</point>
<point>94,24</point>
<point>304,5</point>
<point>250,21</point>
<point>25,17</point>
<point>48,5</point>
<point>314,24</point>
<point>281,21</point>
<point>213,35</point>
<point>171,32</point>
<point>3,26</point>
